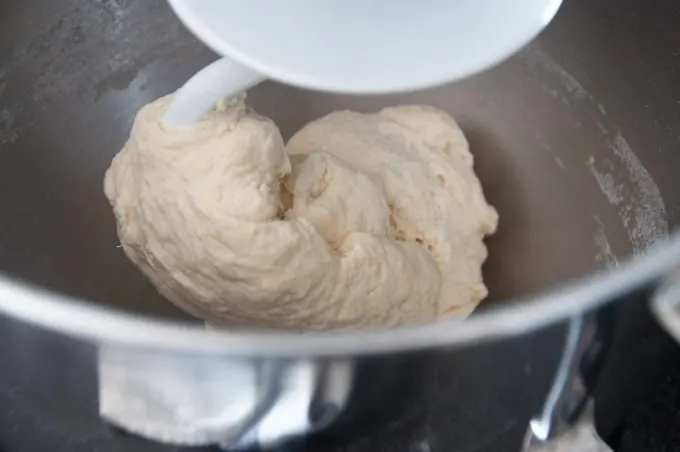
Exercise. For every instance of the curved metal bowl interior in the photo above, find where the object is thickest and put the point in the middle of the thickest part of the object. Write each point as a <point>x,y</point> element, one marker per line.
<point>574,139</point>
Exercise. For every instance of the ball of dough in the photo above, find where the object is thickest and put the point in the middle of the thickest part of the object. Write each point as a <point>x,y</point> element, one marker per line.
<point>360,221</point>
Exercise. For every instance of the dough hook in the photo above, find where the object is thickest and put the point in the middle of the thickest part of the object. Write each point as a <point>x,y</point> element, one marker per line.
<point>219,80</point>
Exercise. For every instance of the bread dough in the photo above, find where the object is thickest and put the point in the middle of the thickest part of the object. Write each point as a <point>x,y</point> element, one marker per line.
<point>360,221</point>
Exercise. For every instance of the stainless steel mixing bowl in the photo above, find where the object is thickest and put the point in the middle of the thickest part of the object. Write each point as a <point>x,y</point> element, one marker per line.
<point>575,141</point>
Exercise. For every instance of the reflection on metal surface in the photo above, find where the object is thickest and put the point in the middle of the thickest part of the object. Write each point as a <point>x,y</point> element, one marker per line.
<point>204,400</point>
<point>566,422</point>
<point>666,305</point>
<point>581,438</point>
<point>558,411</point>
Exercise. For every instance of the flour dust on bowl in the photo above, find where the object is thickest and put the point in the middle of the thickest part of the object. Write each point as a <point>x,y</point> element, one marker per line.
<point>583,184</point>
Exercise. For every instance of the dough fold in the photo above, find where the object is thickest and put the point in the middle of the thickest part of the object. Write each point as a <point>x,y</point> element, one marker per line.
<point>360,221</point>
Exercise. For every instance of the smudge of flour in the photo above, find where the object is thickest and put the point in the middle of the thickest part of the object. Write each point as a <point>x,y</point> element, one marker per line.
<point>8,132</point>
<point>607,183</point>
<point>117,11</point>
<point>569,82</point>
<point>68,52</point>
<point>3,81</point>
<point>641,207</point>
<point>605,254</point>
<point>649,210</point>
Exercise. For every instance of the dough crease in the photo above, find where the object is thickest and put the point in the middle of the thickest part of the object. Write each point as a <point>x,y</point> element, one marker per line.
<point>361,220</point>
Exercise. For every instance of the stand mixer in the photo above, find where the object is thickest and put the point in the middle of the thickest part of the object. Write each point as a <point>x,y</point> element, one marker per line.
<point>354,47</point>
<point>550,129</point>
<point>349,47</point>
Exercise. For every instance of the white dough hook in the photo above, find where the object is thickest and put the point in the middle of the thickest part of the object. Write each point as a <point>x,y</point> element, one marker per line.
<point>219,80</point>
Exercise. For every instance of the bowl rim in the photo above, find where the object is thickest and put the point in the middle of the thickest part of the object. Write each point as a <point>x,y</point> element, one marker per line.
<point>79,319</point>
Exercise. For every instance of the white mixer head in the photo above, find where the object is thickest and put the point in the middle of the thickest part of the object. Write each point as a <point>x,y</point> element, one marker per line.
<point>366,46</point>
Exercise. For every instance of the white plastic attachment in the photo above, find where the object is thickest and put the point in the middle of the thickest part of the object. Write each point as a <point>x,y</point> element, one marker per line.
<point>219,80</point>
